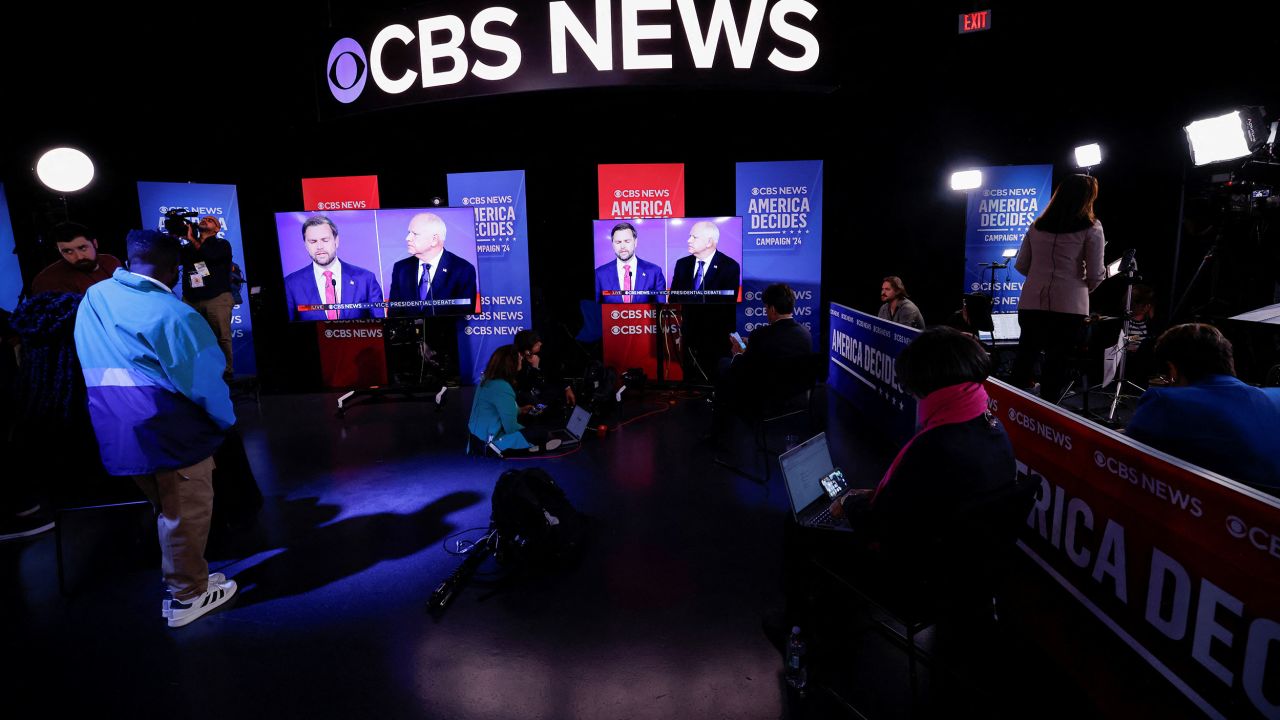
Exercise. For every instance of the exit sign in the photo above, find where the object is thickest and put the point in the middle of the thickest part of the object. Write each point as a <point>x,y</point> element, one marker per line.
<point>975,21</point>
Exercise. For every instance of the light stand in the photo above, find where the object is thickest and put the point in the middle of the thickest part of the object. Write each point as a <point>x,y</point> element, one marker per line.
<point>1204,263</point>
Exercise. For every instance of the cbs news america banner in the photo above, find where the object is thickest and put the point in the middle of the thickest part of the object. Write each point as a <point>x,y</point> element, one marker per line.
<point>502,258</point>
<point>999,215</point>
<point>1182,565</point>
<point>863,351</point>
<point>352,352</point>
<point>157,198</point>
<point>781,208</point>
<point>631,330</point>
<point>456,49</point>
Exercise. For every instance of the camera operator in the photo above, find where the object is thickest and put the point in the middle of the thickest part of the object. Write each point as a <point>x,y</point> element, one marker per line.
<point>206,279</point>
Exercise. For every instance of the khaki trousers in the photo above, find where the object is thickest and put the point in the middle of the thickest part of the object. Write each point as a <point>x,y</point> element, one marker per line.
<point>217,312</point>
<point>183,500</point>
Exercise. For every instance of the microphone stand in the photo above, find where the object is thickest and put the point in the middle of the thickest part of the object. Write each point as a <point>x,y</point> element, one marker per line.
<point>992,287</point>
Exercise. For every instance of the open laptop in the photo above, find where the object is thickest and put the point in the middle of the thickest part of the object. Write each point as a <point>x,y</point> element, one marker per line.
<point>813,481</point>
<point>573,430</point>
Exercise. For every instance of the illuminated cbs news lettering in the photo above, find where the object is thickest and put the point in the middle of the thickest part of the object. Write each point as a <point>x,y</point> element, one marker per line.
<point>571,41</point>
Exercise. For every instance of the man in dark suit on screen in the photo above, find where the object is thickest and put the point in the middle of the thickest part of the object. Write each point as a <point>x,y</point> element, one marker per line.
<point>705,269</point>
<point>628,278</point>
<point>431,274</point>
<point>328,280</point>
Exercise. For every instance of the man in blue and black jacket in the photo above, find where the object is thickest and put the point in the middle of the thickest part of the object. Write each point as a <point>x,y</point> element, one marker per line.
<point>159,406</point>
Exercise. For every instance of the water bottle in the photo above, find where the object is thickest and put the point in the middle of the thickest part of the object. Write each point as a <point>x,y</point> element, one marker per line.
<point>791,441</point>
<point>797,671</point>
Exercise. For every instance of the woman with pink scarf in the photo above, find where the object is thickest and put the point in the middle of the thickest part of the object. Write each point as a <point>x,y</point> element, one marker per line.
<point>950,497</point>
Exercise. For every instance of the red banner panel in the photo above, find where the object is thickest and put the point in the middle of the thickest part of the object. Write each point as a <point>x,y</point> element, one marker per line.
<point>643,191</point>
<point>1182,565</point>
<point>352,354</point>
<point>351,351</point>
<point>359,192</point>
<point>632,331</point>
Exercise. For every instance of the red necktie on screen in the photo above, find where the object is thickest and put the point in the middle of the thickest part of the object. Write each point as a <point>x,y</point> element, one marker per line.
<point>626,285</point>
<point>330,295</point>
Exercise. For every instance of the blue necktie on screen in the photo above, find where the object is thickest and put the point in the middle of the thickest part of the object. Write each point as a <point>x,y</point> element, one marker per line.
<point>697,277</point>
<point>424,285</point>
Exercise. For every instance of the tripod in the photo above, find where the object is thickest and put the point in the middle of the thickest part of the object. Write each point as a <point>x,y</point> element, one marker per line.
<point>1129,269</point>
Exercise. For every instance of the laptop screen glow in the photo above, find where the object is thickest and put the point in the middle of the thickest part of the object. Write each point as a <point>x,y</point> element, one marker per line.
<point>578,422</point>
<point>804,466</point>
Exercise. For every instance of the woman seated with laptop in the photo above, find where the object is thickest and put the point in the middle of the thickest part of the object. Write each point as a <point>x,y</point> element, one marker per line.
<point>948,506</point>
<point>495,414</point>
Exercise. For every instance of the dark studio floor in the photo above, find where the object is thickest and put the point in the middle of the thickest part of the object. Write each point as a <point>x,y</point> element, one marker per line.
<point>662,619</point>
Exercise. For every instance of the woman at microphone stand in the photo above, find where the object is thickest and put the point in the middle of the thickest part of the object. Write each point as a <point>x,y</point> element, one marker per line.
<point>1062,258</point>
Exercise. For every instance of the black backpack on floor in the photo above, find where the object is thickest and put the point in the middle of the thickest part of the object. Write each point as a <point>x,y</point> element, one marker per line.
<point>535,523</point>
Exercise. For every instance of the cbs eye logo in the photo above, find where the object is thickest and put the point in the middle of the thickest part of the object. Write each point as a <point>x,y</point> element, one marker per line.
<point>347,70</point>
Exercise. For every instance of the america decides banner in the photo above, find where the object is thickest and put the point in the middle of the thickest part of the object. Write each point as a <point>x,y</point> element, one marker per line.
<point>502,259</point>
<point>999,215</point>
<point>646,191</point>
<point>1182,565</point>
<point>155,198</point>
<point>352,352</point>
<point>781,208</point>
<point>863,351</point>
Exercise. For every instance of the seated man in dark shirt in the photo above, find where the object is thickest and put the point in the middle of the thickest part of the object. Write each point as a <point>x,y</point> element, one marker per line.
<point>1207,416</point>
<point>1143,329</point>
<point>768,368</point>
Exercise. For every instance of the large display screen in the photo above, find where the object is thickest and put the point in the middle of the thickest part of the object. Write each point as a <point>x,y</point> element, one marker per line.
<point>352,264</point>
<point>669,260</point>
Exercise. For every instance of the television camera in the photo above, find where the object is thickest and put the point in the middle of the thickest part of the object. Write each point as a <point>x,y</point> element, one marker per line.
<point>177,222</point>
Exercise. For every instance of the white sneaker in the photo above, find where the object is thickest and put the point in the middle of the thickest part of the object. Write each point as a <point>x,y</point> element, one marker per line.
<point>180,612</point>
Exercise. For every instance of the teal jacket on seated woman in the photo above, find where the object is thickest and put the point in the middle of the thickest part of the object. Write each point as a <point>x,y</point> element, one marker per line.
<point>494,413</point>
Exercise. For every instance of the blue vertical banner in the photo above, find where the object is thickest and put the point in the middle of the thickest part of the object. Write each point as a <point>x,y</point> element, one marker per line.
<point>156,198</point>
<point>502,257</point>
<point>10,272</point>
<point>864,352</point>
<point>999,215</point>
<point>781,208</point>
